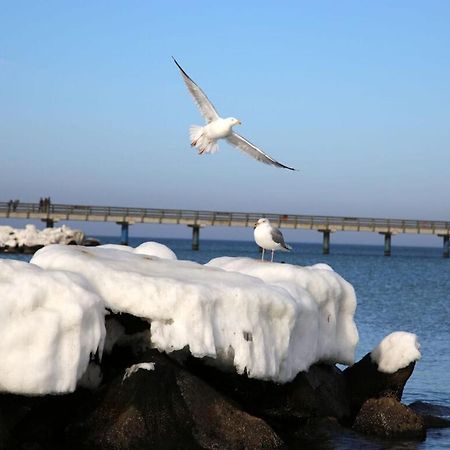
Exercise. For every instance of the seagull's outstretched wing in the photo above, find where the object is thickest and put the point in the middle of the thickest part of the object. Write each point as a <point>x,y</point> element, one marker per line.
<point>242,144</point>
<point>206,107</point>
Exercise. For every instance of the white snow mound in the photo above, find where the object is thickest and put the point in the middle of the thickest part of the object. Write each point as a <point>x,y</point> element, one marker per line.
<point>155,249</point>
<point>147,248</point>
<point>50,324</point>
<point>124,248</point>
<point>396,351</point>
<point>270,326</point>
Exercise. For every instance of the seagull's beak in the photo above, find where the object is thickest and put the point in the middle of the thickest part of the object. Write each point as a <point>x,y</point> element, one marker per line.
<point>239,122</point>
<point>255,225</point>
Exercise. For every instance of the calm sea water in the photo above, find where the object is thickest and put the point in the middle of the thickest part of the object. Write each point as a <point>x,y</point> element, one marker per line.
<point>408,291</point>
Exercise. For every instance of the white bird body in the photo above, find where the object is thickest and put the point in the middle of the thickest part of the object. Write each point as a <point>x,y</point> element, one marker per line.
<point>269,237</point>
<point>205,138</point>
<point>263,239</point>
<point>220,128</point>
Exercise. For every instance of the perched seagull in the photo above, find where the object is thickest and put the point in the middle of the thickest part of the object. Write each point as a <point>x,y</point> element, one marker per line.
<point>269,237</point>
<point>205,138</point>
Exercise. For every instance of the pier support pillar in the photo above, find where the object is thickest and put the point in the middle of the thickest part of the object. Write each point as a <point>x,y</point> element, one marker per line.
<point>387,243</point>
<point>446,246</point>
<point>326,241</point>
<point>124,232</point>
<point>195,237</point>
<point>48,222</point>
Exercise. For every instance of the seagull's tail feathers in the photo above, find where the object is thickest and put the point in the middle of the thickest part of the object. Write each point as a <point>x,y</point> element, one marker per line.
<point>195,133</point>
<point>200,141</point>
<point>287,248</point>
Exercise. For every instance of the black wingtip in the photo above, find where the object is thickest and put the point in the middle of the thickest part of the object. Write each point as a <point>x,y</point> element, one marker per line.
<point>289,168</point>
<point>176,62</point>
<point>182,71</point>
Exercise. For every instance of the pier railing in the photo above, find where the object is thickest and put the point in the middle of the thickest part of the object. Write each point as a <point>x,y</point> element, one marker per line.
<point>59,212</point>
<point>125,216</point>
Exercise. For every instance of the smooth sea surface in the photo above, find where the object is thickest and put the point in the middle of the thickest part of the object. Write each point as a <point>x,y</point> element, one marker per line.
<point>408,291</point>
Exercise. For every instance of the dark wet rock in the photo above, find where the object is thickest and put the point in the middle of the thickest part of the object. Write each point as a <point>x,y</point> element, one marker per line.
<point>364,382</point>
<point>320,392</point>
<point>26,249</point>
<point>326,433</point>
<point>221,424</point>
<point>38,422</point>
<point>90,242</point>
<point>31,249</point>
<point>6,440</point>
<point>167,408</point>
<point>130,323</point>
<point>435,416</point>
<point>387,417</point>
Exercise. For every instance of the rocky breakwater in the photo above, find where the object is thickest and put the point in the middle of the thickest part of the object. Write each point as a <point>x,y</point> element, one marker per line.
<point>148,399</point>
<point>189,356</point>
<point>30,239</point>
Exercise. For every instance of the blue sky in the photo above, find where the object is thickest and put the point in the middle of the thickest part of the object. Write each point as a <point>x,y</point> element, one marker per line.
<point>355,94</point>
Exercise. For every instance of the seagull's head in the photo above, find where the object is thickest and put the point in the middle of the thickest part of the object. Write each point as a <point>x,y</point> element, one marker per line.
<point>261,221</point>
<point>233,121</point>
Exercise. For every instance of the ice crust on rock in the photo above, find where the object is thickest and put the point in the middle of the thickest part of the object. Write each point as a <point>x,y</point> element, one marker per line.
<point>51,322</point>
<point>335,335</point>
<point>396,351</point>
<point>270,320</point>
<point>135,367</point>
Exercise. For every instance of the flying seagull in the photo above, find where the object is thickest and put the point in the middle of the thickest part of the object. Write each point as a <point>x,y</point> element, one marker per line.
<point>205,138</point>
<point>269,237</point>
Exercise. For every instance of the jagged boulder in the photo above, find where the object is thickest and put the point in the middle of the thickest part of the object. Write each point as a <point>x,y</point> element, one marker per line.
<point>365,381</point>
<point>387,417</point>
<point>167,408</point>
<point>320,392</point>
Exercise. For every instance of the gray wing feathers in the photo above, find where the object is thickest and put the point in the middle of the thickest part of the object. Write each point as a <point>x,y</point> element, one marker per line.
<point>206,107</point>
<point>246,146</point>
<point>278,238</point>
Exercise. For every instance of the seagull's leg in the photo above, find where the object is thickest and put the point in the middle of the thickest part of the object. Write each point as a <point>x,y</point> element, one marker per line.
<point>262,255</point>
<point>272,257</point>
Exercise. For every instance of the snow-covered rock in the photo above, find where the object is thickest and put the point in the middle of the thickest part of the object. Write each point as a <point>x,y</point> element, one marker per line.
<point>50,324</point>
<point>272,322</point>
<point>7,237</point>
<point>30,236</point>
<point>396,351</point>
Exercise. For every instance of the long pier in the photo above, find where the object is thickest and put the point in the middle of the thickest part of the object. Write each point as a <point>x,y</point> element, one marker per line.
<point>123,216</point>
